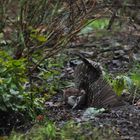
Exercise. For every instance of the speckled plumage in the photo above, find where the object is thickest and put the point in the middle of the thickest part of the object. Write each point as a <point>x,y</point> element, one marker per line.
<point>88,76</point>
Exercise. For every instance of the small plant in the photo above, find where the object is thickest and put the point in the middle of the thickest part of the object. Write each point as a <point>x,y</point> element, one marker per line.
<point>136,85</point>
<point>14,95</point>
<point>70,131</point>
<point>136,79</point>
<point>99,24</point>
<point>12,78</point>
<point>130,83</point>
<point>50,75</point>
<point>120,83</point>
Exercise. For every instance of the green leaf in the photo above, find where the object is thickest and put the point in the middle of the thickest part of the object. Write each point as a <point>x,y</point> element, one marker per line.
<point>95,25</point>
<point>40,38</point>
<point>119,85</point>
<point>9,80</point>
<point>128,81</point>
<point>100,23</point>
<point>1,36</point>
<point>13,92</point>
<point>136,79</point>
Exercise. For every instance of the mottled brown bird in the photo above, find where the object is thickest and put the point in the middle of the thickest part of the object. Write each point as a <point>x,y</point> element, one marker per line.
<point>89,77</point>
<point>74,97</point>
<point>70,92</point>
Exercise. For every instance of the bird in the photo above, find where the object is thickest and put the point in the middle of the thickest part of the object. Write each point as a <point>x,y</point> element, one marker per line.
<point>90,78</point>
<point>74,97</point>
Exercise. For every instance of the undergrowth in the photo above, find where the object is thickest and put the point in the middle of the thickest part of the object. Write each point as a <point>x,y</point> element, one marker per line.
<point>70,131</point>
<point>126,83</point>
<point>32,33</point>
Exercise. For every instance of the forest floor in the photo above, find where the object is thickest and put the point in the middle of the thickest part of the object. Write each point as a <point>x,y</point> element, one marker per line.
<point>116,52</point>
